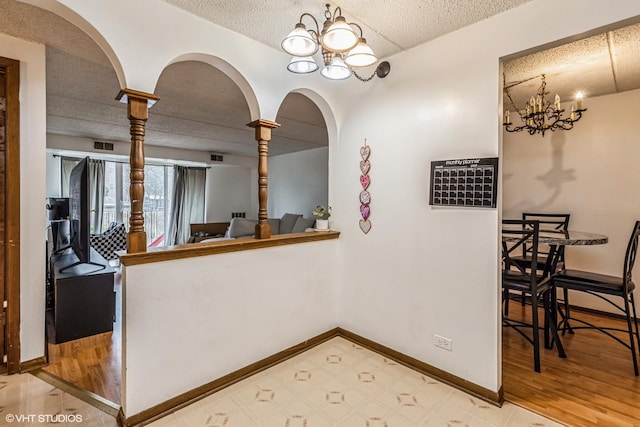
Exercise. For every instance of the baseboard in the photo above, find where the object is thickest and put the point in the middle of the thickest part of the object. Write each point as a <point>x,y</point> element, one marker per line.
<point>495,398</point>
<point>156,412</point>
<point>165,408</point>
<point>32,365</point>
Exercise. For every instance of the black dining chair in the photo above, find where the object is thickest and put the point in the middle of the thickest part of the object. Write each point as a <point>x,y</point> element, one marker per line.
<point>529,281</point>
<point>548,222</point>
<point>605,287</point>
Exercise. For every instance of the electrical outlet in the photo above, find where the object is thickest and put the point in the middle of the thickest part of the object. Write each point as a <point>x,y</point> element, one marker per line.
<point>443,342</point>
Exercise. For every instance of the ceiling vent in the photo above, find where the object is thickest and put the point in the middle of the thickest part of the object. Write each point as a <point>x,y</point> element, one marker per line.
<point>106,146</point>
<point>217,158</point>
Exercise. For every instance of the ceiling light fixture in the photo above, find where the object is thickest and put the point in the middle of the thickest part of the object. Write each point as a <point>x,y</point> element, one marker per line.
<point>539,114</point>
<point>343,49</point>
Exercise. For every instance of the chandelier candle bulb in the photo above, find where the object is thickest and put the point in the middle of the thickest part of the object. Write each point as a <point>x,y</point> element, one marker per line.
<point>506,117</point>
<point>579,100</point>
<point>558,102</point>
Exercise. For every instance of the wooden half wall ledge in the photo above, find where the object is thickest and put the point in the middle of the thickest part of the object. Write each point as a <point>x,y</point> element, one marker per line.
<point>163,409</point>
<point>221,247</point>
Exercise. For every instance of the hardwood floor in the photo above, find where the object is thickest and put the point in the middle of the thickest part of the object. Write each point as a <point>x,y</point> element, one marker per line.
<point>594,386</point>
<point>92,363</point>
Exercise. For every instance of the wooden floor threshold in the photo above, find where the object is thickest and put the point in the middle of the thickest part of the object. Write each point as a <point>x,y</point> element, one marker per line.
<point>86,396</point>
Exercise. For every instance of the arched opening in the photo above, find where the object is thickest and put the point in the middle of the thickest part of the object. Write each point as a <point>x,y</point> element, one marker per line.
<point>298,158</point>
<point>202,111</point>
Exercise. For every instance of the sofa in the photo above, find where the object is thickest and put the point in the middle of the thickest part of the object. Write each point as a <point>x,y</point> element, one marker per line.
<point>208,230</point>
<point>244,228</point>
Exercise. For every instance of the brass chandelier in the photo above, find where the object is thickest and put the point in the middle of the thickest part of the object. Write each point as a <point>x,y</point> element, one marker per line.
<point>342,48</point>
<point>539,115</point>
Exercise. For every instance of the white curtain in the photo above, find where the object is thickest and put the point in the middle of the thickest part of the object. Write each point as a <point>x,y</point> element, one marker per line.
<point>96,178</point>
<point>187,204</point>
<point>66,165</point>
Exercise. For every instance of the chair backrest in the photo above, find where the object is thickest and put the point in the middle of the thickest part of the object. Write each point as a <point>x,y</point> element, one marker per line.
<point>515,234</point>
<point>630,255</point>
<point>548,221</point>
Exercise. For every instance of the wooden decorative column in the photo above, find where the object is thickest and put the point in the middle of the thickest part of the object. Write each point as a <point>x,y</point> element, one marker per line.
<point>263,136</point>
<point>138,112</point>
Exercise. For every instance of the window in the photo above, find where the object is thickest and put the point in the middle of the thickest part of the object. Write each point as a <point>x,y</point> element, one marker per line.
<point>158,188</point>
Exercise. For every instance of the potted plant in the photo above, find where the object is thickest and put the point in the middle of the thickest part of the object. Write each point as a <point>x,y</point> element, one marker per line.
<point>322,214</point>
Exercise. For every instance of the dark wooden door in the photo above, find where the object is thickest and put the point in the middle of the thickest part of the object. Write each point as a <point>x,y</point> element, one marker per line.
<point>3,172</point>
<point>9,215</point>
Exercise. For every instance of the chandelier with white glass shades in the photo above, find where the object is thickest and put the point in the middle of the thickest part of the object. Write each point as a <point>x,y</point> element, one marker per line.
<point>342,48</point>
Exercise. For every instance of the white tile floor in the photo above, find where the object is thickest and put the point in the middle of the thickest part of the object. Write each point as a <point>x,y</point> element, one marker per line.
<point>341,384</point>
<point>334,384</point>
<point>27,401</point>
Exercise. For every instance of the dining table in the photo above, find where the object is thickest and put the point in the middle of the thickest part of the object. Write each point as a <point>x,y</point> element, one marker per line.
<point>557,240</point>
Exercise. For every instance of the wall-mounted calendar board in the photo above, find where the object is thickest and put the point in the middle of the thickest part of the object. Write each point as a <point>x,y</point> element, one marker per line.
<point>464,182</point>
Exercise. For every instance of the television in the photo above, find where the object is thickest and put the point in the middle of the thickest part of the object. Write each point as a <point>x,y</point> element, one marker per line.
<point>79,211</point>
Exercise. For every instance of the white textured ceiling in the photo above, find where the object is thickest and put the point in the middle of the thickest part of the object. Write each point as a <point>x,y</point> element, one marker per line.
<point>599,65</point>
<point>202,109</point>
<point>388,26</point>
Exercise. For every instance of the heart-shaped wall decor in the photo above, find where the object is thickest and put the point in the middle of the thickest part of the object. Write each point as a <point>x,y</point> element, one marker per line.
<point>365,152</point>
<point>365,197</point>
<point>365,210</point>
<point>365,181</point>
<point>365,225</point>
<point>365,166</point>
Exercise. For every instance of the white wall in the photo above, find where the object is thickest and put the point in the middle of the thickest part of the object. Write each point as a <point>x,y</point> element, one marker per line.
<point>53,173</point>
<point>228,190</point>
<point>423,271</point>
<point>213,315</point>
<point>32,191</point>
<point>298,182</point>
<point>589,172</point>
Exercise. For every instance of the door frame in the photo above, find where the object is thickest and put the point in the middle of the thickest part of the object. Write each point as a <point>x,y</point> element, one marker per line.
<point>12,214</point>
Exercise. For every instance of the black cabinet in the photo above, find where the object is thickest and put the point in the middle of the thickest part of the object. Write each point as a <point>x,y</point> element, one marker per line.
<point>83,298</point>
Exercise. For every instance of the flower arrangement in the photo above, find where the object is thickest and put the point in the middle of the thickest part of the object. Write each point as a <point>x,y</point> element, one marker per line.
<point>322,212</point>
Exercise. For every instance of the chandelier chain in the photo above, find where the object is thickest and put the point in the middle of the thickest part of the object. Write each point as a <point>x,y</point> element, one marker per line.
<point>363,79</point>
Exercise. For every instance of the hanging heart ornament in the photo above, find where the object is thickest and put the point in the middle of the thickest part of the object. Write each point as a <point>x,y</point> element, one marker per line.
<point>365,152</point>
<point>365,197</point>
<point>365,166</point>
<point>365,181</point>
<point>365,225</point>
<point>365,210</point>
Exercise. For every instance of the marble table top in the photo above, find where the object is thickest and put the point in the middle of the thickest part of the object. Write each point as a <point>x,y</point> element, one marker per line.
<point>569,237</point>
